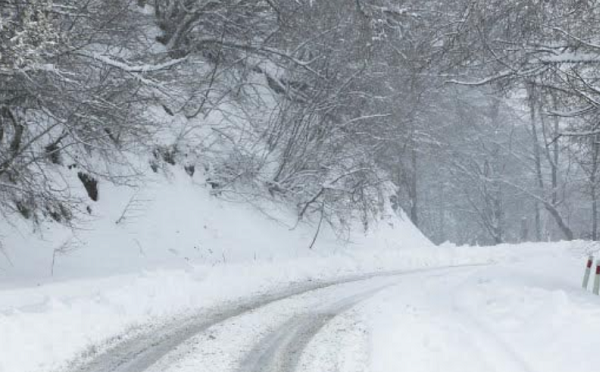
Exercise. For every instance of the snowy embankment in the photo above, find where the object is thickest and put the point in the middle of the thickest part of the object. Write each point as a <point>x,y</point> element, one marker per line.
<point>177,249</point>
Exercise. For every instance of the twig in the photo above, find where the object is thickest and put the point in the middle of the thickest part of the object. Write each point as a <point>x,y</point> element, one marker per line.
<point>314,240</point>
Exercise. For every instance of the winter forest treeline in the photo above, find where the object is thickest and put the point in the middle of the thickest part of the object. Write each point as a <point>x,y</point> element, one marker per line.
<point>479,118</point>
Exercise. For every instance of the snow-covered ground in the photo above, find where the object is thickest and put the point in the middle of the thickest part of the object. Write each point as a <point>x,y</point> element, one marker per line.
<point>184,250</point>
<point>524,313</point>
<point>176,250</point>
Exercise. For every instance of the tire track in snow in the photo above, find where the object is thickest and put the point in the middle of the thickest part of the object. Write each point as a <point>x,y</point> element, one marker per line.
<point>140,352</point>
<point>499,354</point>
<point>281,350</point>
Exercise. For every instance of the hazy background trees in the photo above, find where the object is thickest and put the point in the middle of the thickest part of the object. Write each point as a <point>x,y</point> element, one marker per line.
<point>477,118</point>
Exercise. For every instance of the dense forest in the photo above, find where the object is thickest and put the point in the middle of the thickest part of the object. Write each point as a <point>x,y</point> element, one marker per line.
<point>478,118</point>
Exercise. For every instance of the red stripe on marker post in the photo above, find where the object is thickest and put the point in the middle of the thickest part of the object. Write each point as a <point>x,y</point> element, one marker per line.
<point>588,270</point>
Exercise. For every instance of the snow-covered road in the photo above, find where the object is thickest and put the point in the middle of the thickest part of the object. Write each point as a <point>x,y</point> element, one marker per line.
<point>522,311</point>
<point>278,332</point>
<point>526,315</point>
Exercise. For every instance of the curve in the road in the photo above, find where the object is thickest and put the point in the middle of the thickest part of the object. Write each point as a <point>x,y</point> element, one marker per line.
<point>281,350</point>
<point>140,352</point>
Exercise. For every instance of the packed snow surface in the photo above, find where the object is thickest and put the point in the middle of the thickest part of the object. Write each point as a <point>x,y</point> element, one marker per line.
<point>526,312</point>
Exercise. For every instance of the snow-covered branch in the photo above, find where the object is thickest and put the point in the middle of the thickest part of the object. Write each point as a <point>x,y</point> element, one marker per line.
<point>132,68</point>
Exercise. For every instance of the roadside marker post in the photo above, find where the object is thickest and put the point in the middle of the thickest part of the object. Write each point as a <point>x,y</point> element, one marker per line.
<point>597,278</point>
<point>588,270</point>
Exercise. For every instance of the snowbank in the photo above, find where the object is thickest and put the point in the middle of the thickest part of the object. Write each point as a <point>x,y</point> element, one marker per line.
<point>42,327</point>
<point>525,313</point>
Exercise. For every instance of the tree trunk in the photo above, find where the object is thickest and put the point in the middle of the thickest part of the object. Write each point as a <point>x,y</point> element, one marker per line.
<point>593,186</point>
<point>538,222</point>
<point>414,201</point>
<point>564,228</point>
<point>524,235</point>
<point>594,215</point>
<point>537,158</point>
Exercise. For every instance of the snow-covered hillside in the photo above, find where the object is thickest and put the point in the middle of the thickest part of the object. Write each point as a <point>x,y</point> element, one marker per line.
<point>228,186</point>
<point>173,221</point>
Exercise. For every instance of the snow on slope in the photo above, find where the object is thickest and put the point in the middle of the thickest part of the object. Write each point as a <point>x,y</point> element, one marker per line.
<point>176,223</point>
